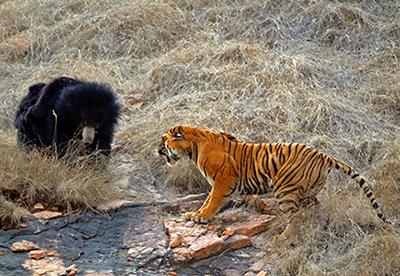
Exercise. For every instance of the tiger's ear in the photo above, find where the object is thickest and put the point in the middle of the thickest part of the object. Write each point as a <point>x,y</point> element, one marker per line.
<point>229,136</point>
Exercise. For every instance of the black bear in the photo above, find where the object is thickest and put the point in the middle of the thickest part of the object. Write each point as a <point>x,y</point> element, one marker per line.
<point>54,114</point>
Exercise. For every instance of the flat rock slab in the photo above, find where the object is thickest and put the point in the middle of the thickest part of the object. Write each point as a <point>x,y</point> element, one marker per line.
<point>190,242</point>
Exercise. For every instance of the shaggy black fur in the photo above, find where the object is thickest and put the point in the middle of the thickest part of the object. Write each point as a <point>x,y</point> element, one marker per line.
<point>53,114</point>
<point>28,131</point>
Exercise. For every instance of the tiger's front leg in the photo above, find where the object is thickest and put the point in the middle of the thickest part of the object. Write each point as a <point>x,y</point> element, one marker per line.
<point>214,201</point>
<point>189,215</point>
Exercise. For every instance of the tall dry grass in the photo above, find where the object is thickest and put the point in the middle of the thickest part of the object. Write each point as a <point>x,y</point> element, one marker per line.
<point>325,73</point>
<point>35,177</point>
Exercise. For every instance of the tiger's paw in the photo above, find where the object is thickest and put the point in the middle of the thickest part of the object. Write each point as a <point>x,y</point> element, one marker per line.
<point>195,216</point>
<point>189,215</point>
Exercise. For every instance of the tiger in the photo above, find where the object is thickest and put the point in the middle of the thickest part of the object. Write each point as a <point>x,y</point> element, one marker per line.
<point>294,173</point>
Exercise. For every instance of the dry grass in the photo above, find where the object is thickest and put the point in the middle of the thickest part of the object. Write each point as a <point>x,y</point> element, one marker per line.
<point>29,178</point>
<point>320,72</point>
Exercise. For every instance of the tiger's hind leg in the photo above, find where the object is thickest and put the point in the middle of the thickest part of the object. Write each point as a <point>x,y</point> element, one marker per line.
<point>309,201</point>
<point>289,204</point>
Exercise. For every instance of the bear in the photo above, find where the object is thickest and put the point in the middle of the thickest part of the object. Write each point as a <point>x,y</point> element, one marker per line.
<point>55,114</point>
<point>35,111</point>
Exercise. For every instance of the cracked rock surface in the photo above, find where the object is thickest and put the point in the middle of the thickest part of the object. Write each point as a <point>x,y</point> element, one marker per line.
<point>132,240</point>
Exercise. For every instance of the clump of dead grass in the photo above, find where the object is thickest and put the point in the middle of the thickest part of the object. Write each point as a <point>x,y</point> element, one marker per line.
<point>33,177</point>
<point>10,215</point>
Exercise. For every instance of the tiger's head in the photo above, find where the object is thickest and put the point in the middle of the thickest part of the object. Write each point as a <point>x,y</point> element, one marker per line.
<point>175,144</point>
<point>182,141</point>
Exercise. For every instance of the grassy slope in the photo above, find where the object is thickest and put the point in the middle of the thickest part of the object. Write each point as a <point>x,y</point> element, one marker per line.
<point>323,72</point>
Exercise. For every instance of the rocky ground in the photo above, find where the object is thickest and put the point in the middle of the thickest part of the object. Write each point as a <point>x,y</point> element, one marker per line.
<point>126,238</point>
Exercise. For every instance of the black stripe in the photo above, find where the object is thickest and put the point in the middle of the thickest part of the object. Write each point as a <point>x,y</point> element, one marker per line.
<point>196,152</point>
<point>274,165</point>
<point>369,194</point>
<point>204,166</point>
<point>349,172</point>
<point>223,163</point>
<point>234,151</point>
<point>356,175</point>
<point>265,163</point>
<point>289,150</point>
<point>362,181</point>
<point>258,151</point>
<point>243,163</point>
<point>285,193</point>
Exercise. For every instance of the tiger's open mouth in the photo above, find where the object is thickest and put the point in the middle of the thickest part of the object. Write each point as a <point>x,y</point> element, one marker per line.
<point>171,157</point>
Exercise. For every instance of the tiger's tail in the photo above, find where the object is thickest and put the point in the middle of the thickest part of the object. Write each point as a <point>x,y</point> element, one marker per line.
<point>341,166</point>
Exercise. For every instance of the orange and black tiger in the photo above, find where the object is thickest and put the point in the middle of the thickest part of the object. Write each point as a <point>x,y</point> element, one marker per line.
<point>295,173</point>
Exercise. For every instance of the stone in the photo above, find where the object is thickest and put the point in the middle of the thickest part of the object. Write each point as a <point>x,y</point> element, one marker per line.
<point>251,227</point>
<point>257,266</point>
<point>237,241</point>
<point>23,246</point>
<point>37,254</point>
<point>135,251</point>
<point>213,227</point>
<point>97,273</point>
<point>261,273</point>
<point>205,246</point>
<point>115,205</point>
<point>228,232</point>
<point>190,224</point>
<point>51,254</point>
<point>232,272</point>
<point>176,240</point>
<point>72,270</point>
<point>37,207</point>
<point>182,253</point>
<point>46,215</point>
<point>147,250</point>
<point>1,253</point>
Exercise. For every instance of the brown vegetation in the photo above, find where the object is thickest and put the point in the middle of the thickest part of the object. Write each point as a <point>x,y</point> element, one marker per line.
<point>325,73</point>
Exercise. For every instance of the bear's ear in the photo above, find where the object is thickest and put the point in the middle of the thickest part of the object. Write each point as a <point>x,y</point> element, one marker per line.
<point>37,87</point>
